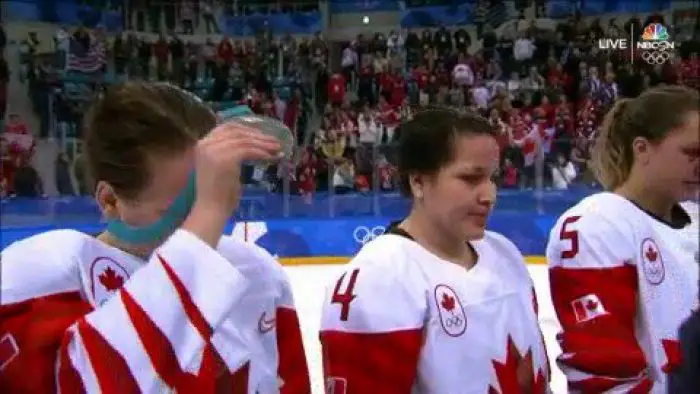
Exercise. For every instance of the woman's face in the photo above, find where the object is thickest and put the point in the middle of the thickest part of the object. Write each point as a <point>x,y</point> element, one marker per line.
<point>462,193</point>
<point>170,174</point>
<point>674,163</point>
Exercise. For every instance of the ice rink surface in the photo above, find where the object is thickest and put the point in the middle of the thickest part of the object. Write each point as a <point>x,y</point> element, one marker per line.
<point>308,285</point>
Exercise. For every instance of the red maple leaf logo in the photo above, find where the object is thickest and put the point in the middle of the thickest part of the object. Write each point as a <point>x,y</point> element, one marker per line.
<point>448,302</point>
<point>110,280</point>
<point>517,375</point>
<point>651,254</point>
<point>591,305</point>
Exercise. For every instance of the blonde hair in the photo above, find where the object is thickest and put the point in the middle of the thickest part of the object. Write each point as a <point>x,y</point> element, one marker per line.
<point>652,115</point>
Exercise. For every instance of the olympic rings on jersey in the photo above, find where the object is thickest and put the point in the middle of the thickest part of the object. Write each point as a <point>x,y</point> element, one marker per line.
<point>364,234</point>
<point>656,57</point>
<point>454,321</point>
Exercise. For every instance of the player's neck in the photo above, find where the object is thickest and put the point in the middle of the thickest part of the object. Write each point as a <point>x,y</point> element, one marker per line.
<point>141,252</point>
<point>647,200</point>
<point>438,241</point>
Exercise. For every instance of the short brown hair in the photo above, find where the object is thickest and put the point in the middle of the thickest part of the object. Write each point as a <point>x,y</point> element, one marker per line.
<point>135,120</point>
<point>652,115</point>
<point>427,142</point>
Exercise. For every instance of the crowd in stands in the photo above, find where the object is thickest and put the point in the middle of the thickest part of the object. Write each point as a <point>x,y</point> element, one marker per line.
<point>544,90</point>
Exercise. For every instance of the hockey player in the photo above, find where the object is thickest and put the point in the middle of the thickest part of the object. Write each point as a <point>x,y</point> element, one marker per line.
<point>438,304</point>
<point>686,379</point>
<point>623,273</point>
<point>159,302</point>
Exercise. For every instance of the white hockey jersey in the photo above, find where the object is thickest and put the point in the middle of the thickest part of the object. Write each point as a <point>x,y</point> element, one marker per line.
<point>77,315</point>
<point>622,282</point>
<point>400,320</point>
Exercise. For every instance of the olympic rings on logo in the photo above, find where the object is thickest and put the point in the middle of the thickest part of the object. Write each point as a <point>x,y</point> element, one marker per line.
<point>363,234</point>
<point>656,57</point>
<point>454,321</point>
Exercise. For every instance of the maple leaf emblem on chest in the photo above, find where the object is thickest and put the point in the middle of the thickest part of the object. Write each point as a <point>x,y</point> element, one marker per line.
<point>651,254</point>
<point>111,280</point>
<point>447,302</point>
<point>517,374</point>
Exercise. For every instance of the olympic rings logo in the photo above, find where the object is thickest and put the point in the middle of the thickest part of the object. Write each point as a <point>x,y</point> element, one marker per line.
<point>656,57</point>
<point>454,321</point>
<point>363,234</point>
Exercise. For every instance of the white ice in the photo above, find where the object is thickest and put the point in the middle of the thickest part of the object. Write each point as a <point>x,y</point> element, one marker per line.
<point>308,284</point>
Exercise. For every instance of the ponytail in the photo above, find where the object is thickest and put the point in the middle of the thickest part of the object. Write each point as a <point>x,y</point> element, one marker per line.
<point>612,158</point>
<point>655,113</point>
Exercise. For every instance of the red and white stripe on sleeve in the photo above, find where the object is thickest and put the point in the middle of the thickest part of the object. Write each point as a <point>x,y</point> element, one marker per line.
<point>155,333</point>
<point>594,289</point>
<point>370,342</point>
<point>292,368</point>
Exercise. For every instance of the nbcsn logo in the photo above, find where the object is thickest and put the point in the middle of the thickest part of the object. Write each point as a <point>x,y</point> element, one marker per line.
<point>654,44</point>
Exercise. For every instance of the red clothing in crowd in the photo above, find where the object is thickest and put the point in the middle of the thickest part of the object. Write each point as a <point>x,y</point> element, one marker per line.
<point>398,91</point>
<point>510,176</point>
<point>546,110</point>
<point>161,50</point>
<point>7,172</point>
<point>291,114</point>
<point>307,175</point>
<point>18,138</point>
<point>563,118</point>
<point>386,82</point>
<point>587,118</point>
<point>336,88</point>
<point>388,115</point>
<point>422,77</point>
<point>225,51</point>
<point>690,72</point>
<point>17,127</point>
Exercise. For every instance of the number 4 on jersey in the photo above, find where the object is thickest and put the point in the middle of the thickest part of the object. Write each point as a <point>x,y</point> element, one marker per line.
<point>346,297</point>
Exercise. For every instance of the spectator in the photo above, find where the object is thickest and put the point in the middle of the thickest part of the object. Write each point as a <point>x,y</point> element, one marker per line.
<point>523,50</point>
<point>344,177</point>
<point>27,182</point>
<point>536,85</point>
<point>563,172</point>
<point>18,137</point>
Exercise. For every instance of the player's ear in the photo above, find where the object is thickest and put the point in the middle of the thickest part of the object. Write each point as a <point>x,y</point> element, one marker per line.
<point>416,181</point>
<point>107,200</point>
<point>642,149</point>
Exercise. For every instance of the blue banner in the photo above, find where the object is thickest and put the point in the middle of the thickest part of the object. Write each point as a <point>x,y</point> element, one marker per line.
<point>433,16</point>
<point>329,226</point>
<point>258,205</point>
<point>296,23</point>
<point>362,6</point>
<point>558,9</point>
<point>343,237</point>
<point>64,12</point>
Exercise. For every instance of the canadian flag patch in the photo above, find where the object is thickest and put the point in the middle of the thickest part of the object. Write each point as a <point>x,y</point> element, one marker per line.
<point>588,308</point>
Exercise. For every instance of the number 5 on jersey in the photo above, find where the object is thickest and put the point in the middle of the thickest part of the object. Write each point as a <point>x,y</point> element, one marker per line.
<point>345,297</point>
<point>571,235</point>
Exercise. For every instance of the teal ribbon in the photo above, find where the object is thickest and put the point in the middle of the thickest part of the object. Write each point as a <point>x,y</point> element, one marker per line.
<point>171,219</point>
<point>178,209</point>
